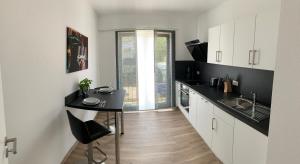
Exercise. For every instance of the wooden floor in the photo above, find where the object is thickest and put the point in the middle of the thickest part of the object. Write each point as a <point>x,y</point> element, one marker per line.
<point>163,137</point>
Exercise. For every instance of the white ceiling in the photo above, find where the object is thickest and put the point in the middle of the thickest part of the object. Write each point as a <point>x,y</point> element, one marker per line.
<point>146,6</point>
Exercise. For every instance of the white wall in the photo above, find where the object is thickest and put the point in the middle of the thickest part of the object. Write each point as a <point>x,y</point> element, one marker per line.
<point>35,82</point>
<point>233,9</point>
<point>284,135</point>
<point>184,25</point>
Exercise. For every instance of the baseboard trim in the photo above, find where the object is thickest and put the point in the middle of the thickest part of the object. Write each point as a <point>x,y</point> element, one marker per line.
<point>154,110</point>
<point>69,152</point>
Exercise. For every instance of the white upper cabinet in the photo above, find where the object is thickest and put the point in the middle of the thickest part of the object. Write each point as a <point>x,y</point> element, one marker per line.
<point>244,42</point>
<point>213,44</point>
<point>250,146</point>
<point>220,44</point>
<point>226,44</point>
<point>266,37</point>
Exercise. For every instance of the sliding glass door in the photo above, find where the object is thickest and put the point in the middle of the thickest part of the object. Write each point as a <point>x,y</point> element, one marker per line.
<point>127,68</point>
<point>145,60</point>
<point>163,59</point>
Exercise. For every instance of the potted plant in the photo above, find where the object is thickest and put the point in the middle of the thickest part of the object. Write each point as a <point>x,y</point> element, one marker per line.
<point>84,86</point>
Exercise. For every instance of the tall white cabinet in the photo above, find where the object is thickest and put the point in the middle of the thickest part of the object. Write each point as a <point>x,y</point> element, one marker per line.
<point>266,36</point>
<point>250,146</point>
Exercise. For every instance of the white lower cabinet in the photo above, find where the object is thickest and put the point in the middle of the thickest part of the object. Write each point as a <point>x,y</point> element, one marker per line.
<point>222,138</point>
<point>250,146</point>
<point>231,140</point>
<point>204,120</point>
<point>193,108</point>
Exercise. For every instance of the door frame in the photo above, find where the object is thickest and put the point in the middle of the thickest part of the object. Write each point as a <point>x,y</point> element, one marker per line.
<point>172,63</point>
<point>3,121</point>
<point>173,54</point>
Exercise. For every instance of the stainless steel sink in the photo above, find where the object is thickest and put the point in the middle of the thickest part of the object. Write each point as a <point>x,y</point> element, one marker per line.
<point>245,107</point>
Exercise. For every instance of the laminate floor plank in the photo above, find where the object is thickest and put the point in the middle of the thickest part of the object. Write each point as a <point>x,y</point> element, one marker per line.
<point>153,137</point>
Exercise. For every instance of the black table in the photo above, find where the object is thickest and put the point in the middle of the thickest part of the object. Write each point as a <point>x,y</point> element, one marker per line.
<point>114,103</point>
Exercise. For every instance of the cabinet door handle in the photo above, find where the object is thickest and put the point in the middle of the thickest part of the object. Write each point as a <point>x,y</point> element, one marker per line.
<point>217,60</point>
<point>254,57</point>
<point>14,149</point>
<point>220,56</point>
<point>250,61</point>
<point>212,124</point>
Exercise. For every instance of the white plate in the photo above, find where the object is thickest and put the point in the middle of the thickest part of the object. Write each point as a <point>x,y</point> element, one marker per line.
<point>106,90</point>
<point>91,101</point>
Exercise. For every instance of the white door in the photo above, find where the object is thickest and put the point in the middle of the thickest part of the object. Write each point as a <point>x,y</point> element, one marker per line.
<point>213,44</point>
<point>250,146</point>
<point>266,37</point>
<point>205,120</point>
<point>3,159</point>
<point>226,43</point>
<point>244,42</point>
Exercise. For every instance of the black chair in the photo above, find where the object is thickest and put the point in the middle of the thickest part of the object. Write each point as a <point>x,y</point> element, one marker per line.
<point>86,133</point>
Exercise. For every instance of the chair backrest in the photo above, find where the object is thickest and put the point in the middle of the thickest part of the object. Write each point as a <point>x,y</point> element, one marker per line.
<point>78,128</point>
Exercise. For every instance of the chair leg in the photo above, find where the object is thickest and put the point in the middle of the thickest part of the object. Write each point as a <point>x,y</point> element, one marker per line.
<point>107,120</point>
<point>90,154</point>
<point>108,123</point>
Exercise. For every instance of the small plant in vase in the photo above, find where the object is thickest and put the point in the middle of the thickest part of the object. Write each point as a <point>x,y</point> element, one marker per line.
<point>84,86</point>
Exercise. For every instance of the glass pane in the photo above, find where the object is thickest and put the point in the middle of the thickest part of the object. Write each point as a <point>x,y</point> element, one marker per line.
<point>162,69</point>
<point>127,65</point>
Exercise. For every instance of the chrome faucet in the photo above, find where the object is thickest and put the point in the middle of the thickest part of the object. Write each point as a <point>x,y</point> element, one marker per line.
<point>254,103</point>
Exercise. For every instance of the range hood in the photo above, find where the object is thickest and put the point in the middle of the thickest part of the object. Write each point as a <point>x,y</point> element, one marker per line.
<point>198,50</point>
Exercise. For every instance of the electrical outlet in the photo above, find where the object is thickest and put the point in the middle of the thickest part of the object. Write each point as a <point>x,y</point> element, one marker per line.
<point>235,83</point>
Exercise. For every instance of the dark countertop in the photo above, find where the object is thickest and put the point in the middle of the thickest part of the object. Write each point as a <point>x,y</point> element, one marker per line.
<point>114,101</point>
<point>214,94</point>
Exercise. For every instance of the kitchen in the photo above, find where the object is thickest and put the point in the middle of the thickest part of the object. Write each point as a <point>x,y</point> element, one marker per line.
<point>203,81</point>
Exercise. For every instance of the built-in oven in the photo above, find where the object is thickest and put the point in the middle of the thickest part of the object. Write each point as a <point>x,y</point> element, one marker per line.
<point>184,97</point>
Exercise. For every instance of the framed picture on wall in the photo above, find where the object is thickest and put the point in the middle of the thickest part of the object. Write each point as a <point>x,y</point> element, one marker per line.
<point>77,51</point>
